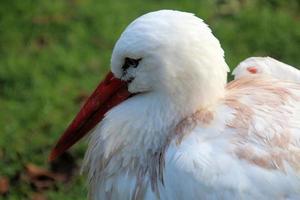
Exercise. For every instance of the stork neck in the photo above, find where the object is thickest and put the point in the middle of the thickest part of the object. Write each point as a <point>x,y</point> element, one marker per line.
<point>143,123</point>
<point>134,135</point>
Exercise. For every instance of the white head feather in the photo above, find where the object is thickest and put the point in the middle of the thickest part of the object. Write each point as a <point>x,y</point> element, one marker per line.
<point>266,66</point>
<point>179,55</point>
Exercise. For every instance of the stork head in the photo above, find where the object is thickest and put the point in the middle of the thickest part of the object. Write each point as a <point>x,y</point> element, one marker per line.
<point>252,65</point>
<point>167,53</point>
<point>166,50</point>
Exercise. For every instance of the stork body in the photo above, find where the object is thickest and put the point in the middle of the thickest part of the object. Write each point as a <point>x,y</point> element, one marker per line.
<point>183,133</point>
<point>246,146</point>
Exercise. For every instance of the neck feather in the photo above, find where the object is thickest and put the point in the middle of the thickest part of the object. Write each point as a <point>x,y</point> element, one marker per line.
<point>137,132</point>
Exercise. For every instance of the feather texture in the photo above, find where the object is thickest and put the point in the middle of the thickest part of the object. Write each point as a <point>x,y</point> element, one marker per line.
<point>268,66</point>
<point>247,148</point>
<point>188,135</point>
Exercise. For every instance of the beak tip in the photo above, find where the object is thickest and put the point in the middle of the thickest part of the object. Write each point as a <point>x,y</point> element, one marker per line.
<point>109,93</point>
<point>53,154</point>
<point>51,157</point>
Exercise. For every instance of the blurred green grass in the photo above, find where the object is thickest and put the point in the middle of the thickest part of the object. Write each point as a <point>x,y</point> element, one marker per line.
<point>52,53</point>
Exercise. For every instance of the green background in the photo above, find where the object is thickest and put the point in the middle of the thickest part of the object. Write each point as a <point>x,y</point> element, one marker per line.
<point>54,52</point>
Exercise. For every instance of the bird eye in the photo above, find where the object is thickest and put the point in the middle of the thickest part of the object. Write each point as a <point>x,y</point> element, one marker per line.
<point>130,62</point>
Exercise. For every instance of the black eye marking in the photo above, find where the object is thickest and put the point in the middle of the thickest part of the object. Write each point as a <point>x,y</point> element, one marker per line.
<point>130,62</point>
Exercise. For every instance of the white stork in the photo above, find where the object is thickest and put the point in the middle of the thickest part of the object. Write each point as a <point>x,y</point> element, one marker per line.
<point>267,66</point>
<point>164,124</point>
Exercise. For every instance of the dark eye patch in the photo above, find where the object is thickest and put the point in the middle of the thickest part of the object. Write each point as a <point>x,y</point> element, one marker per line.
<point>130,62</point>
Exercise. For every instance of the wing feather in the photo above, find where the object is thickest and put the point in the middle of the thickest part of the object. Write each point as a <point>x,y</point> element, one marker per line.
<point>250,149</point>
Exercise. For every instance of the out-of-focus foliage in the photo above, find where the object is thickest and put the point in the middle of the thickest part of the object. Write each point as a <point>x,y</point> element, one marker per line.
<point>54,52</point>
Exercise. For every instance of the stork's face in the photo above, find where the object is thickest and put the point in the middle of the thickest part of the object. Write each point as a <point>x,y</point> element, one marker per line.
<point>169,53</point>
<point>251,66</point>
<point>142,55</point>
<point>162,51</point>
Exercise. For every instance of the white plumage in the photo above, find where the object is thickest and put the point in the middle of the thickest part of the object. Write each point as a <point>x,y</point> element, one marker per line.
<point>186,134</point>
<point>266,66</point>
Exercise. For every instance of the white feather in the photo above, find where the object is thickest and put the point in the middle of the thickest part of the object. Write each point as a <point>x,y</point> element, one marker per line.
<point>267,66</point>
<point>187,135</point>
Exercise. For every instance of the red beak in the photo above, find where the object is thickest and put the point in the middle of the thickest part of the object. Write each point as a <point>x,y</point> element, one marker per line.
<point>109,93</point>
